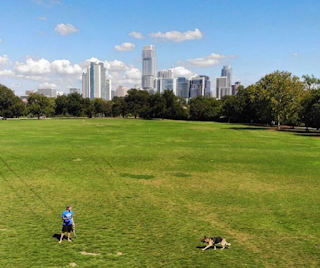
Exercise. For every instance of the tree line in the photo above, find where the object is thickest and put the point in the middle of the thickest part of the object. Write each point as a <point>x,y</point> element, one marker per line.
<point>277,98</point>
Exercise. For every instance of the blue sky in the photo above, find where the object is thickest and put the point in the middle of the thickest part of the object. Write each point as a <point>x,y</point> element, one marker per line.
<point>50,42</point>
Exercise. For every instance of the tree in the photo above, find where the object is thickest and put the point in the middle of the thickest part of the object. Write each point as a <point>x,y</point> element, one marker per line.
<point>283,92</point>
<point>174,108</point>
<point>61,105</point>
<point>119,107</point>
<point>137,101</point>
<point>101,107</point>
<point>311,82</point>
<point>205,109</point>
<point>75,104</point>
<point>10,104</point>
<point>87,107</point>
<point>38,105</point>
<point>232,107</point>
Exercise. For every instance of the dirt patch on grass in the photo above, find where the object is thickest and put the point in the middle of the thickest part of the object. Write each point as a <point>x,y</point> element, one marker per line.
<point>89,253</point>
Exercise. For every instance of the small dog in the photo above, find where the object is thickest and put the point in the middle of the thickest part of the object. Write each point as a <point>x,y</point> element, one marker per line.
<point>213,241</point>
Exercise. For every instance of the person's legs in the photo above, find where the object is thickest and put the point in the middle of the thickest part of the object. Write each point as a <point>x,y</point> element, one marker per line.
<point>61,237</point>
<point>69,237</point>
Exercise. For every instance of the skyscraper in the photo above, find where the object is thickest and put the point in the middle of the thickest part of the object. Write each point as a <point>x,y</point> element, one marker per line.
<point>199,85</point>
<point>227,71</point>
<point>223,83</point>
<point>94,81</point>
<point>148,68</point>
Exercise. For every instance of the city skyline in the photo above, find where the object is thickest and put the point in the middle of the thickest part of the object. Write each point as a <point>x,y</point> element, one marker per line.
<point>49,43</point>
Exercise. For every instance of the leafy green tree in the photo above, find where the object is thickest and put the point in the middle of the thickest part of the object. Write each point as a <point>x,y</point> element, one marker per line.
<point>174,108</point>
<point>101,107</point>
<point>38,105</point>
<point>232,108</point>
<point>75,104</point>
<point>283,92</point>
<point>61,105</point>
<point>205,109</point>
<point>18,108</point>
<point>157,106</point>
<point>119,107</point>
<point>311,82</point>
<point>137,101</point>
<point>316,115</point>
<point>10,104</point>
<point>87,107</point>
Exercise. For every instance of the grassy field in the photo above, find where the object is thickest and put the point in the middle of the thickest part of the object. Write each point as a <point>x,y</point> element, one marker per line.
<point>145,192</point>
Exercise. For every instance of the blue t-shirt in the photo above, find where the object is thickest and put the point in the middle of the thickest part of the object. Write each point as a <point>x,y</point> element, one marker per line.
<point>67,214</point>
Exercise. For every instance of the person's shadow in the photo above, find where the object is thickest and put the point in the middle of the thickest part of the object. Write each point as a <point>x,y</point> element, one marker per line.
<point>58,236</point>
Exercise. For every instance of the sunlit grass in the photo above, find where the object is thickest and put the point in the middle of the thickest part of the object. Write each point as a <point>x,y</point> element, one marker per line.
<point>145,192</point>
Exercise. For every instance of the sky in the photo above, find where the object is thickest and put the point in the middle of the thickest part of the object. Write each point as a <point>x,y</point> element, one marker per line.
<point>49,43</point>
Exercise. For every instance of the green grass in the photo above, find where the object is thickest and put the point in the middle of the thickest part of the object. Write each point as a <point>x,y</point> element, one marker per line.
<point>145,192</point>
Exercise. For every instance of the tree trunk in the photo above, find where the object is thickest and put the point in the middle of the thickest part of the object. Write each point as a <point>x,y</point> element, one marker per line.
<point>278,123</point>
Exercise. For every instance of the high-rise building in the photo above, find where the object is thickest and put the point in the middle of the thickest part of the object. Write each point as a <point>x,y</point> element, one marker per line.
<point>148,68</point>
<point>121,91</point>
<point>235,88</point>
<point>183,87</point>
<point>221,87</point>
<point>227,72</point>
<point>199,86</point>
<point>74,90</point>
<point>108,90</point>
<point>224,83</point>
<point>48,92</point>
<point>165,73</point>
<point>167,84</point>
<point>94,81</point>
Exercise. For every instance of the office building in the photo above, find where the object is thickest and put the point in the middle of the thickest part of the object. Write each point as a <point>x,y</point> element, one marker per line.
<point>221,87</point>
<point>199,86</point>
<point>94,81</point>
<point>183,87</point>
<point>121,91</point>
<point>48,92</point>
<point>148,68</point>
<point>108,95</point>
<point>74,90</point>
<point>227,72</point>
<point>235,88</point>
<point>167,84</point>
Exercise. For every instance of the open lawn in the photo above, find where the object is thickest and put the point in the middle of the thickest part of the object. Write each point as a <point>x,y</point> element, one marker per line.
<point>145,192</point>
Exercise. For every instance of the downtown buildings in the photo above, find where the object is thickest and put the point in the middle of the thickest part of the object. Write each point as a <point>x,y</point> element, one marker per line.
<point>94,82</point>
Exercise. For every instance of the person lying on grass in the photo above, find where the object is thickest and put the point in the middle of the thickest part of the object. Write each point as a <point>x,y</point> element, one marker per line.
<point>68,222</point>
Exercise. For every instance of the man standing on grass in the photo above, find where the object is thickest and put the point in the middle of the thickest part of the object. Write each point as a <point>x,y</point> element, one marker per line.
<point>68,222</point>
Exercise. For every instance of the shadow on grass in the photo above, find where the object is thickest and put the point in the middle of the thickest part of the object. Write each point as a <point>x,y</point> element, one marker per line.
<point>133,176</point>
<point>57,236</point>
<point>249,128</point>
<point>308,134</point>
<point>212,248</point>
<point>182,175</point>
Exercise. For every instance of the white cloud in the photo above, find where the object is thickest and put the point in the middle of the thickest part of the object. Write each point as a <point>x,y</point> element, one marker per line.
<point>295,54</point>
<point>177,36</point>
<point>47,85</point>
<point>212,59</point>
<point>0,40</point>
<point>181,71</point>
<point>136,35</point>
<point>133,73</point>
<point>4,60</point>
<point>65,29</point>
<point>31,66</point>
<point>42,18</point>
<point>6,73</point>
<point>125,47</point>
<point>65,67</point>
<point>116,65</point>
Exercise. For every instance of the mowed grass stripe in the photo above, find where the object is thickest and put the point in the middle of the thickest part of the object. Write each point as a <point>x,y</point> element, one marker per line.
<point>145,192</point>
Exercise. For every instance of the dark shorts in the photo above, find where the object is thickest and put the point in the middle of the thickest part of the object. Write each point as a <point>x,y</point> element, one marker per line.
<point>67,228</point>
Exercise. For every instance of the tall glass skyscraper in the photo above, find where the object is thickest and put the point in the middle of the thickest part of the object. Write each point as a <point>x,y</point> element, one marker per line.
<point>94,81</point>
<point>227,72</point>
<point>148,68</point>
